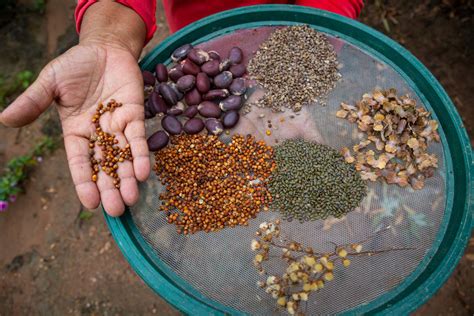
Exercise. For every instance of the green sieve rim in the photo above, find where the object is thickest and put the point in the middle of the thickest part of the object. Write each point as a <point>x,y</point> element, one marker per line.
<point>455,228</point>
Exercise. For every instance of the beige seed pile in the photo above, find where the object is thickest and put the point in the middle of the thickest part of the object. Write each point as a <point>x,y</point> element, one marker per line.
<point>296,66</point>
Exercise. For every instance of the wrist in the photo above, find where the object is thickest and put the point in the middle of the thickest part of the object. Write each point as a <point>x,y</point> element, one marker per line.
<point>112,24</point>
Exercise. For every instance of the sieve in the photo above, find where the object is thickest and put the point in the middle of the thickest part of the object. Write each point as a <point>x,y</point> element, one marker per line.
<point>213,273</point>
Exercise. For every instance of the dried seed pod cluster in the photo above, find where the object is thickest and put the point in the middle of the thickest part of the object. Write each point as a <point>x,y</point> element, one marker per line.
<point>398,134</point>
<point>211,185</point>
<point>295,65</point>
<point>312,181</point>
<point>111,153</point>
<point>205,89</point>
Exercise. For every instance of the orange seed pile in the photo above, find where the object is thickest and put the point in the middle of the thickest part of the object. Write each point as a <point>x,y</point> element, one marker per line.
<point>111,153</point>
<point>211,185</point>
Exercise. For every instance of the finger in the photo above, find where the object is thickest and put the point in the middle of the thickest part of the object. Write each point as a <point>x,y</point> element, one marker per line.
<point>110,195</point>
<point>135,133</point>
<point>128,182</point>
<point>31,103</point>
<point>77,150</point>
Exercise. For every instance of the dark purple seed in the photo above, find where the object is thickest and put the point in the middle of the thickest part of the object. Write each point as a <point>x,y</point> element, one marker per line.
<point>209,109</point>
<point>168,94</point>
<point>171,125</point>
<point>230,119</point>
<point>161,73</point>
<point>190,68</point>
<point>157,141</point>
<point>148,78</point>
<point>179,94</point>
<point>181,52</point>
<point>192,97</point>
<point>148,113</point>
<point>176,109</point>
<point>175,73</point>
<point>235,55</point>
<point>214,126</point>
<point>202,82</point>
<point>157,104</point>
<point>198,56</point>
<point>186,83</point>
<point>238,70</point>
<point>157,87</point>
<point>149,107</point>
<point>216,94</point>
<point>223,80</point>
<point>224,65</point>
<point>238,87</point>
<point>214,55</point>
<point>234,102</point>
<point>191,111</point>
<point>211,68</point>
<point>193,126</point>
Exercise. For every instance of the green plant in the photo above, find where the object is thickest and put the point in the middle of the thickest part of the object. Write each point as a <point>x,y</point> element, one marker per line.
<point>17,84</point>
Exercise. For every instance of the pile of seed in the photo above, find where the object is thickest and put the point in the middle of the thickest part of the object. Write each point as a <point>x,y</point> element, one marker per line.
<point>211,185</point>
<point>312,181</point>
<point>111,153</point>
<point>296,65</point>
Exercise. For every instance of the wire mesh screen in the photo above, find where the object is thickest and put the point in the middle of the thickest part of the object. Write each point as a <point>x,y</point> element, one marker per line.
<point>219,265</point>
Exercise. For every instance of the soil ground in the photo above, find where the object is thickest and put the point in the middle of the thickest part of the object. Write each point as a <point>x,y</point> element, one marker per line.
<point>54,263</point>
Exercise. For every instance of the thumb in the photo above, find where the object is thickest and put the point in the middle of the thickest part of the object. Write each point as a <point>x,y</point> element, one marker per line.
<point>31,103</point>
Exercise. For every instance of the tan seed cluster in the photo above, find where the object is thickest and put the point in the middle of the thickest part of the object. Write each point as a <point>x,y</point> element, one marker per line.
<point>111,153</point>
<point>211,185</point>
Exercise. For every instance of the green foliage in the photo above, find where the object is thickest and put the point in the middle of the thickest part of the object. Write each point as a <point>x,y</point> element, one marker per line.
<point>40,6</point>
<point>85,215</point>
<point>15,85</point>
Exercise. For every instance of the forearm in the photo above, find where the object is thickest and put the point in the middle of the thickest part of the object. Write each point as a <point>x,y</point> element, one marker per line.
<point>113,24</point>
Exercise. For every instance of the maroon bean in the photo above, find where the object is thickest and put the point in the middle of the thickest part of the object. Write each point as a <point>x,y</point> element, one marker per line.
<point>157,104</point>
<point>238,70</point>
<point>192,97</point>
<point>190,68</point>
<point>181,52</point>
<point>214,55</point>
<point>224,65</point>
<point>223,80</point>
<point>193,126</point>
<point>186,83</point>
<point>161,73</point>
<point>230,119</point>
<point>211,68</point>
<point>148,78</point>
<point>179,94</point>
<point>216,94</point>
<point>176,72</point>
<point>148,114</point>
<point>235,55</point>
<point>202,82</point>
<point>209,109</point>
<point>157,141</point>
<point>238,87</point>
<point>168,94</point>
<point>171,125</point>
<point>198,56</point>
<point>191,111</point>
<point>214,126</point>
<point>234,102</point>
<point>176,109</point>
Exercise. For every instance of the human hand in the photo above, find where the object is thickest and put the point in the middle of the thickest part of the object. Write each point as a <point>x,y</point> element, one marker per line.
<point>101,67</point>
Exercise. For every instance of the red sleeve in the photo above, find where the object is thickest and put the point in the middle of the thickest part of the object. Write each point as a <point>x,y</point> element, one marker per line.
<point>347,8</point>
<point>144,8</point>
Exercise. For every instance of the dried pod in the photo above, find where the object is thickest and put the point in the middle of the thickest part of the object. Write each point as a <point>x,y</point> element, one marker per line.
<point>235,55</point>
<point>193,126</point>
<point>209,109</point>
<point>157,141</point>
<point>192,97</point>
<point>211,68</point>
<point>230,119</point>
<point>181,52</point>
<point>176,109</point>
<point>214,126</point>
<point>171,125</point>
<point>186,83</point>
<point>190,68</point>
<point>224,65</point>
<point>223,80</point>
<point>214,55</point>
<point>216,94</point>
<point>176,72</point>
<point>203,84</point>
<point>157,104</point>
<point>148,78</point>
<point>238,87</point>
<point>161,73</point>
<point>238,70</point>
<point>198,56</point>
<point>191,111</point>
<point>168,94</point>
<point>233,102</point>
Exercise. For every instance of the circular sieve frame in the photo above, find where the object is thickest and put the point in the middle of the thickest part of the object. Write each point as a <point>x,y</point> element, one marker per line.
<point>455,228</point>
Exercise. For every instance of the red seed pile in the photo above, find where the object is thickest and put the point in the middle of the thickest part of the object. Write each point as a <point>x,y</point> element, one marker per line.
<point>211,185</point>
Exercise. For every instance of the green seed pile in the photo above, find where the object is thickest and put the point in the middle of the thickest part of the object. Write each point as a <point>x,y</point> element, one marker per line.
<point>296,65</point>
<point>312,181</point>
